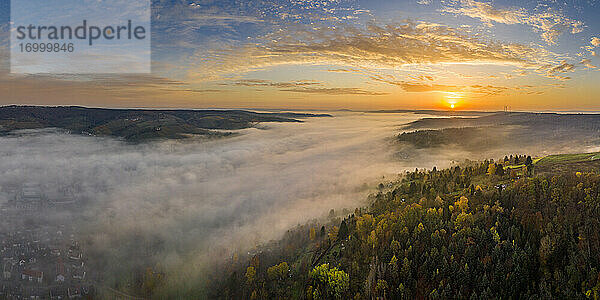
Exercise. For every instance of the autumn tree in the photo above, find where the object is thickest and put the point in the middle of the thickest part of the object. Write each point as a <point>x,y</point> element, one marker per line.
<point>329,282</point>
<point>250,275</point>
<point>491,169</point>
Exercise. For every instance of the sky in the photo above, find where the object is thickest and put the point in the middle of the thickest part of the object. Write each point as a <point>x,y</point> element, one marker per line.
<point>345,54</point>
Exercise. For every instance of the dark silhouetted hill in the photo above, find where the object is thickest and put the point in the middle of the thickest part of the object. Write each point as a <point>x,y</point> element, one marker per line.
<point>136,124</point>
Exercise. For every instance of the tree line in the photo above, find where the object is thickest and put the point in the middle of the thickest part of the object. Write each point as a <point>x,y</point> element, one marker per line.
<point>466,232</point>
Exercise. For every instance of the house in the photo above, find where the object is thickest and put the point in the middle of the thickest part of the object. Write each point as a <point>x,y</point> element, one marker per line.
<point>58,293</point>
<point>33,293</point>
<point>77,264</point>
<point>79,274</point>
<point>60,271</point>
<point>74,292</point>
<point>32,275</point>
<point>7,270</point>
<point>74,253</point>
<point>55,251</point>
<point>29,198</point>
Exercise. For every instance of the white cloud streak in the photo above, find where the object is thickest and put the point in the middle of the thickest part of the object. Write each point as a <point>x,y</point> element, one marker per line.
<point>550,23</point>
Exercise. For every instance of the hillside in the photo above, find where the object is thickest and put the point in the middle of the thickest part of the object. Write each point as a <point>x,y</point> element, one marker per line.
<point>446,113</point>
<point>136,124</point>
<point>475,231</point>
<point>551,120</point>
<point>508,129</point>
<point>584,162</point>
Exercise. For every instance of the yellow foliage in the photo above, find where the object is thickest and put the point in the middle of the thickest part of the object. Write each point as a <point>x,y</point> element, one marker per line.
<point>372,240</point>
<point>462,203</point>
<point>333,233</point>
<point>464,220</point>
<point>278,272</point>
<point>250,274</point>
<point>364,223</point>
<point>495,234</point>
<point>151,281</point>
<point>491,169</point>
<point>394,260</point>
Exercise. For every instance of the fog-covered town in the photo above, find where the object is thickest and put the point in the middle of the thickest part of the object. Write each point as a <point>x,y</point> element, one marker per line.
<point>40,260</point>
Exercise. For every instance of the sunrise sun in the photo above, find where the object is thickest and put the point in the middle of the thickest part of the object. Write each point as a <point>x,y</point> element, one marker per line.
<point>452,99</point>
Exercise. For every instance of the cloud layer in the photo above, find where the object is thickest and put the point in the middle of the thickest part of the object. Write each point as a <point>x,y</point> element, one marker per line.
<point>549,23</point>
<point>386,46</point>
<point>304,86</point>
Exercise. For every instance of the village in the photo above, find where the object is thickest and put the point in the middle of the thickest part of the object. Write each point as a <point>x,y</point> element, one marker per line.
<point>39,260</point>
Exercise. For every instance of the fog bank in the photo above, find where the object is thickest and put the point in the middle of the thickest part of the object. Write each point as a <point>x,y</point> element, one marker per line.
<point>176,205</point>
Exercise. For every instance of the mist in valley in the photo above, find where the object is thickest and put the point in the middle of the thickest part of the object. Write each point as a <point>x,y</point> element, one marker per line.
<point>181,207</point>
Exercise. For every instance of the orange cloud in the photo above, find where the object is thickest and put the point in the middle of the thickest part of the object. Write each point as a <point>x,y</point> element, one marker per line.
<point>386,46</point>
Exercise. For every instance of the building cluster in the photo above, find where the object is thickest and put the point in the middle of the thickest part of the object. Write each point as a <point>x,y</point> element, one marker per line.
<point>30,197</point>
<point>44,265</point>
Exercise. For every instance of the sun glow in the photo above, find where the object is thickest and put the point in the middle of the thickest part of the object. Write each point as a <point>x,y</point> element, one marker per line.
<point>453,98</point>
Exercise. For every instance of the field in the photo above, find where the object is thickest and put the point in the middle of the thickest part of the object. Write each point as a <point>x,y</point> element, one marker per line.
<point>581,162</point>
<point>567,158</point>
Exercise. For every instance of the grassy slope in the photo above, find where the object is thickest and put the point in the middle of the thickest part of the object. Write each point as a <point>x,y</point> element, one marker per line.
<point>581,162</point>
<point>562,162</point>
<point>568,158</point>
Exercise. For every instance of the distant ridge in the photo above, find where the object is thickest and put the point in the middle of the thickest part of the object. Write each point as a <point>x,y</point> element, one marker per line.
<point>136,125</point>
<point>437,112</point>
<point>506,129</point>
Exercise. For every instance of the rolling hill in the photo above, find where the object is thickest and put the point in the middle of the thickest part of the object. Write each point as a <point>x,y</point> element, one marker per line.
<point>137,125</point>
<point>506,129</point>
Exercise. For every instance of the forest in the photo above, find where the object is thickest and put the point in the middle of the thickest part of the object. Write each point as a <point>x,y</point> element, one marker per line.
<point>477,230</point>
<point>138,125</point>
